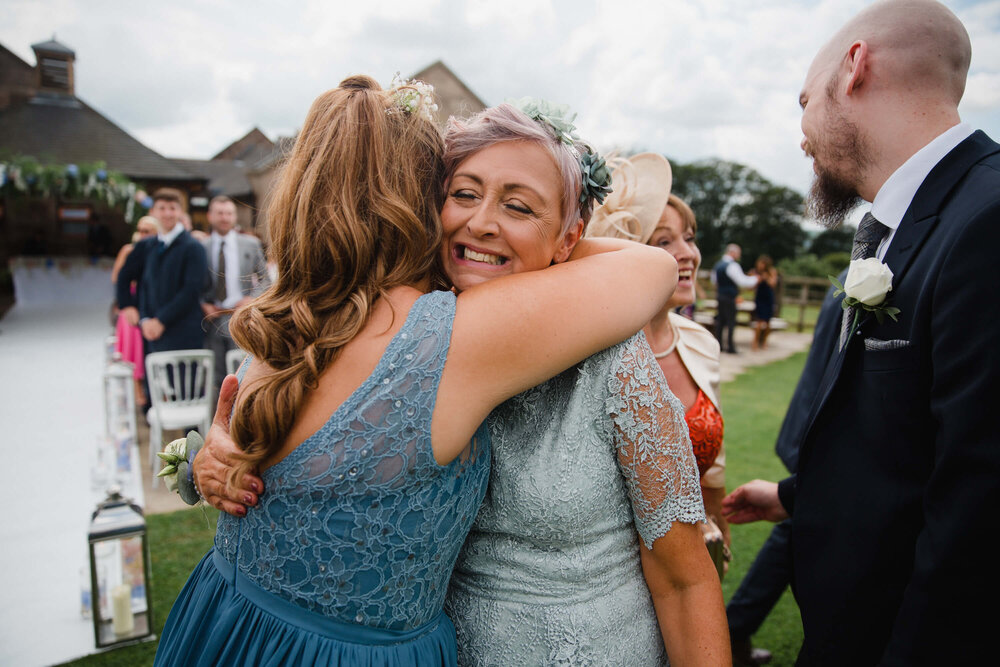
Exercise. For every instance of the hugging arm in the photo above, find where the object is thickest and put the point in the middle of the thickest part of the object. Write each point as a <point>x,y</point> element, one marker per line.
<point>655,457</point>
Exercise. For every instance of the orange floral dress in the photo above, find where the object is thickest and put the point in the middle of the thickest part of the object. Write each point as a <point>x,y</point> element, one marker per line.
<point>705,426</point>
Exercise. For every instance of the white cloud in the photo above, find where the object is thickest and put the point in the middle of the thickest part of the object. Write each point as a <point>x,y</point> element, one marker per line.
<point>713,78</point>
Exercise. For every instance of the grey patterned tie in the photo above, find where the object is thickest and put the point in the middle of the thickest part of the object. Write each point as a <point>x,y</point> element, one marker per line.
<point>870,233</point>
<point>220,281</point>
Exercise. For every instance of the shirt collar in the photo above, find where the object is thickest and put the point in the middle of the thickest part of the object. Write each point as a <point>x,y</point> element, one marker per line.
<point>897,192</point>
<point>170,236</point>
<point>218,238</point>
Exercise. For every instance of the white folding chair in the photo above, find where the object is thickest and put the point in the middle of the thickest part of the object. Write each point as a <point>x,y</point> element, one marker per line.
<point>180,392</point>
<point>233,360</point>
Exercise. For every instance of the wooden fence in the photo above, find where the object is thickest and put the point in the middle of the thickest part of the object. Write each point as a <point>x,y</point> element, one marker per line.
<point>792,296</point>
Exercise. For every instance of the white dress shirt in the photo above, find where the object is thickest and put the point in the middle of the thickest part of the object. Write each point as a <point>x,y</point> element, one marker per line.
<point>170,236</point>
<point>233,292</point>
<point>735,273</point>
<point>896,194</point>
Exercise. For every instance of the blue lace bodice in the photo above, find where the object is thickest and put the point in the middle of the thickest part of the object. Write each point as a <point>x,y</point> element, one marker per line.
<point>359,522</point>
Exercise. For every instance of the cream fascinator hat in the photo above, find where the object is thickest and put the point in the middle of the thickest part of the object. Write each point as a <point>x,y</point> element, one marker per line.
<point>640,188</point>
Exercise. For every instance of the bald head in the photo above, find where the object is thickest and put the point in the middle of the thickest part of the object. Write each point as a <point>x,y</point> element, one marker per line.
<point>919,46</point>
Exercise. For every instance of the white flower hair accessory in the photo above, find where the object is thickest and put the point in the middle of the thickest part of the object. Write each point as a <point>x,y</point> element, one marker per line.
<point>413,96</point>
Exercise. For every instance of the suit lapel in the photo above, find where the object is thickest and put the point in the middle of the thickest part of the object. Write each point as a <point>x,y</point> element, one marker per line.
<point>919,220</point>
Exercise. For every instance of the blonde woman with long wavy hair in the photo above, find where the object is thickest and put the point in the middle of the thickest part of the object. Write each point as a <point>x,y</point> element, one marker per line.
<point>363,403</point>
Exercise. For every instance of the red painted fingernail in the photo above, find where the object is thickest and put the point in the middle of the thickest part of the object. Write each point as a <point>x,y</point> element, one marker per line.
<point>242,511</point>
<point>247,499</point>
<point>255,487</point>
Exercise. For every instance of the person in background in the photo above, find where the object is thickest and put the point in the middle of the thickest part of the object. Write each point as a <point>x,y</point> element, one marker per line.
<point>128,336</point>
<point>642,209</point>
<point>763,310</point>
<point>729,279</point>
<point>196,234</point>
<point>171,270</point>
<point>237,273</point>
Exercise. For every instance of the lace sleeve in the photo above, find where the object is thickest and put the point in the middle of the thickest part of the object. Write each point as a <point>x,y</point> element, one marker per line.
<point>651,438</point>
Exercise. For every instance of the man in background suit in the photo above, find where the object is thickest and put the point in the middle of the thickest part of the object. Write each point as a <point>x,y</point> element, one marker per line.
<point>237,273</point>
<point>899,466</point>
<point>728,277</point>
<point>172,269</point>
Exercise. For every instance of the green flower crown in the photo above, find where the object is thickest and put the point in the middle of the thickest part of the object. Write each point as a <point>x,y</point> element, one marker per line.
<point>596,177</point>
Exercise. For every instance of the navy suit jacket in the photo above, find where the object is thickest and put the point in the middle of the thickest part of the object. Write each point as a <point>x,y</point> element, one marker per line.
<point>170,290</point>
<point>899,471</point>
<point>824,345</point>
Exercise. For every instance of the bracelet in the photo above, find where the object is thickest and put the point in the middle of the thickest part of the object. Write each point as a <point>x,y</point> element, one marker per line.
<point>190,473</point>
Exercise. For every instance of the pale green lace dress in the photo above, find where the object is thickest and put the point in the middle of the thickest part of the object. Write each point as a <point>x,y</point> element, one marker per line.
<point>550,572</point>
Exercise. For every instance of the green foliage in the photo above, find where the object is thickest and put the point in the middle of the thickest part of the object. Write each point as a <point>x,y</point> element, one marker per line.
<point>735,204</point>
<point>810,265</point>
<point>25,176</point>
<point>754,405</point>
<point>837,240</point>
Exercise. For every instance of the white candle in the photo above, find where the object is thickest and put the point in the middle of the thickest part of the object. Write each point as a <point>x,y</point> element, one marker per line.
<point>121,610</point>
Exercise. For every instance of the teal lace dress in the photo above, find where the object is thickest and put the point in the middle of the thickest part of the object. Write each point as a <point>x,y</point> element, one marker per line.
<point>346,560</point>
<point>584,466</point>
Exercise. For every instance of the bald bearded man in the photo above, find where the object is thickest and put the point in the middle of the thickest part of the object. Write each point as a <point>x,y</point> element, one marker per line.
<point>899,468</point>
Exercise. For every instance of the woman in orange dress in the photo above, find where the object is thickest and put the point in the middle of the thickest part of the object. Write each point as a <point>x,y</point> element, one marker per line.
<point>642,209</point>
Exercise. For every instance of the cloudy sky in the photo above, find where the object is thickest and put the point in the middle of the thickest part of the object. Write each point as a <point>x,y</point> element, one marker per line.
<point>691,79</point>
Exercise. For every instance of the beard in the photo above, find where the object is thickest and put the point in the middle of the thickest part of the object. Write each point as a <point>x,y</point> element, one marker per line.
<point>834,194</point>
<point>831,198</point>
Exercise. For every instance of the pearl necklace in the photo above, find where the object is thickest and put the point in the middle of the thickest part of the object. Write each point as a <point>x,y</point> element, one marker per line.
<point>673,345</point>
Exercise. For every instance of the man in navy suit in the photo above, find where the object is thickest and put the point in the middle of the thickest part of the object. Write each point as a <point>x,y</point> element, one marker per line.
<point>173,271</point>
<point>899,465</point>
<point>771,571</point>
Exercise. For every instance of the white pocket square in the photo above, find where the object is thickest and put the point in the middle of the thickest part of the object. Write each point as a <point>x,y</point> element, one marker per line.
<point>877,344</point>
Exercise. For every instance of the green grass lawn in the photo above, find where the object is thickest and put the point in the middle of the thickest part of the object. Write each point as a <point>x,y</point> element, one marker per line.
<point>754,405</point>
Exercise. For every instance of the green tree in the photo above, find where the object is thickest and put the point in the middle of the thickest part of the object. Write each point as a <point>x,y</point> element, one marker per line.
<point>735,204</point>
<point>838,239</point>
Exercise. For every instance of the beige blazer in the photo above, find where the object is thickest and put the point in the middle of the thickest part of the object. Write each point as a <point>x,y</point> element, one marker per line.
<point>699,351</point>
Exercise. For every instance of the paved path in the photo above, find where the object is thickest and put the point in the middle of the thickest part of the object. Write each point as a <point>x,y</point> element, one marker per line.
<point>780,345</point>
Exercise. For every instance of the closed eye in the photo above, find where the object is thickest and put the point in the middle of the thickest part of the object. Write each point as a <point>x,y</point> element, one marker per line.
<point>520,208</point>
<point>464,194</point>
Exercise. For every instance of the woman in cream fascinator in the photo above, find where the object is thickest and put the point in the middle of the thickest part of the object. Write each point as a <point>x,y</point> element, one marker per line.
<point>642,209</point>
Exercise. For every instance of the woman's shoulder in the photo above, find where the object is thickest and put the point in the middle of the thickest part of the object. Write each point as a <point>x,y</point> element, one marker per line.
<point>432,310</point>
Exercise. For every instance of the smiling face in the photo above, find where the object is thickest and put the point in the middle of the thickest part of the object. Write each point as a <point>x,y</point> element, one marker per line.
<point>675,237</point>
<point>167,212</point>
<point>502,214</point>
<point>222,217</point>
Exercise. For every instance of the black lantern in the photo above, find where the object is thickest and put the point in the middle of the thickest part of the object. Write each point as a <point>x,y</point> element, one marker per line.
<point>121,602</point>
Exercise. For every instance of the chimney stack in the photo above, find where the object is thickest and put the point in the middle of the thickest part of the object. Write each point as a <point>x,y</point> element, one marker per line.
<point>54,67</point>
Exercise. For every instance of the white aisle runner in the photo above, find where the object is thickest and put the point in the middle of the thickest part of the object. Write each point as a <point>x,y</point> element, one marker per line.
<point>51,412</point>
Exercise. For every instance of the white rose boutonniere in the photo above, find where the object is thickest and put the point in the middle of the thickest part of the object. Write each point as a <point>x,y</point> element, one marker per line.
<point>866,287</point>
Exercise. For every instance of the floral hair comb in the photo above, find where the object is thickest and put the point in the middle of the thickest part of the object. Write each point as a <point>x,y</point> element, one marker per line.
<point>412,96</point>
<point>596,179</point>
